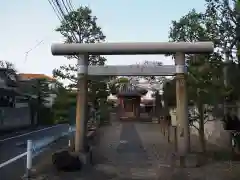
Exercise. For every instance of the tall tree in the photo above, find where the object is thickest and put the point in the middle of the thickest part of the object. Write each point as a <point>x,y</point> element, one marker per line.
<point>62,105</point>
<point>226,15</point>
<point>81,26</point>
<point>204,71</point>
<point>222,17</point>
<point>41,90</point>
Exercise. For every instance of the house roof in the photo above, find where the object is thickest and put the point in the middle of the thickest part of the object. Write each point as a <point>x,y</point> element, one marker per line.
<point>35,76</point>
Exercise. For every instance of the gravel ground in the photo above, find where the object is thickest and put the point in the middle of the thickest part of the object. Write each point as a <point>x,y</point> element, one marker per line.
<point>133,150</point>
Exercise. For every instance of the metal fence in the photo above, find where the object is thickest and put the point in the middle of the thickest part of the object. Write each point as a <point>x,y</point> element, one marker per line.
<point>33,149</point>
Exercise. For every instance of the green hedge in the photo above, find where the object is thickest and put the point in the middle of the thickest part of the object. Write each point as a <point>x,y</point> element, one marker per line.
<point>104,115</point>
<point>45,116</point>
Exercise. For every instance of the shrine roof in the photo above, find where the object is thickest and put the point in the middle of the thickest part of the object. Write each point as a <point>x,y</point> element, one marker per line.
<point>131,91</point>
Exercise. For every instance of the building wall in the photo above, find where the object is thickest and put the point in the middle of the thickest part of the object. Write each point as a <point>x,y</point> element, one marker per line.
<point>214,131</point>
<point>15,117</point>
<point>50,100</point>
<point>19,114</point>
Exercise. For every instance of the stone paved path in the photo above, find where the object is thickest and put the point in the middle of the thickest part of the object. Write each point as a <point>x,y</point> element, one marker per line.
<point>133,150</point>
<point>130,159</point>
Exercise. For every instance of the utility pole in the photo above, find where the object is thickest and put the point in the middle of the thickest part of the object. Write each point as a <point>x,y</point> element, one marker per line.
<point>81,108</point>
<point>183,134</point>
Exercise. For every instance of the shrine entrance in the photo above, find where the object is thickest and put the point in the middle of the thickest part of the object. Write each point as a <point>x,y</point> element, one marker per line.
<point>178,49</point>
<point>129,105</point>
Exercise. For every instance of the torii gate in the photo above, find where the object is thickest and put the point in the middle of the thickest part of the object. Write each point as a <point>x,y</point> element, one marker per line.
<point>177,48</point>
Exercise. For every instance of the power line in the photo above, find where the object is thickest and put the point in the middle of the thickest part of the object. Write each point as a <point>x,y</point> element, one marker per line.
<point>59,11</point>
<point>66,8</point>
<point>69,3</point>
<point>58,5</point>
<point>56,11</point>
<point>70,23</point>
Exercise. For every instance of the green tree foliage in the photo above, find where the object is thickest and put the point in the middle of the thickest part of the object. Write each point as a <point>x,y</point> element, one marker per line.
<point>118,83</point>
<point>38,88</point>
<point>226,15</point>
<point>40,91</point>
<point>204,78</point>
<point>204,71</point>
<point>153,80</point>
<point>8,65</point>
<point>219,23</point>
<point>222,16</point>
<point>81,26</point>
<point>64,101</point>
<point>169,93</point>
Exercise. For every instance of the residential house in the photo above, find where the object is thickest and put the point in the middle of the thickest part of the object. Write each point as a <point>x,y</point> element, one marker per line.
<point>8,87</point>
<point>14,112</point>
<point>29,81</point>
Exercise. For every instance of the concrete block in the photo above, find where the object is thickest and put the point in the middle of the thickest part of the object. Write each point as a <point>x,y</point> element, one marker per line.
<point>85,158</point>
<point>63,160</point>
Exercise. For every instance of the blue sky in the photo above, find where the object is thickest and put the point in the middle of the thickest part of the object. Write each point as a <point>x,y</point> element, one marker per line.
<point>25,23</point>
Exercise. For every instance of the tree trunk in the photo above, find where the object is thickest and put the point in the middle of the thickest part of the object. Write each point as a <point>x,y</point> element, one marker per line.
<point>201,128</point>
<point>158,104</point>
